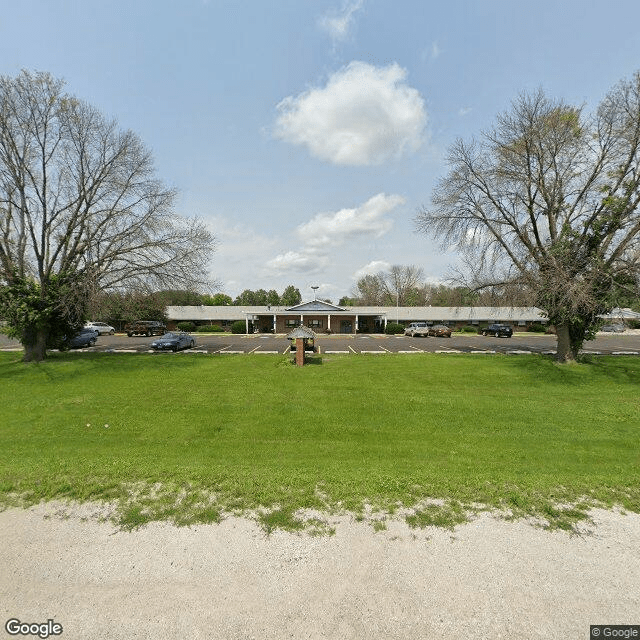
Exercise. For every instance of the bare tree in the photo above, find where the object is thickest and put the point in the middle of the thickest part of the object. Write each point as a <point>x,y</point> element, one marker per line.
<point>79,200</point>
<point>403,285</point>
<point>547,202</point>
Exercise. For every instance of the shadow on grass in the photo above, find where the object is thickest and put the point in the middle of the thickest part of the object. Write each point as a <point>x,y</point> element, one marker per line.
<point>618,369</point>
<point>68,365</point>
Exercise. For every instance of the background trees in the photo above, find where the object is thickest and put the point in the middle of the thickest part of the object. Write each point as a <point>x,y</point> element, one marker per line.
<point>79,205</point>
<point>547,202</point>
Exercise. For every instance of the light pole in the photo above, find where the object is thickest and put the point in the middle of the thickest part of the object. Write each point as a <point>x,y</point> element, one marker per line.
<point>315,288</point>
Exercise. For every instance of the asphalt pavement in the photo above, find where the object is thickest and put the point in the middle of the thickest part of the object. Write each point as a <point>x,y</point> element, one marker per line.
<point>260,344</point>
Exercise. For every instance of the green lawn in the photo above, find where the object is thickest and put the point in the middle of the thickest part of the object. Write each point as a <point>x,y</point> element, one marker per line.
<point>190,437</point>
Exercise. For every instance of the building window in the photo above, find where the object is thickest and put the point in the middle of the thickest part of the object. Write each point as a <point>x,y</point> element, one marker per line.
<point>292,323</point>
<point>315,324</point>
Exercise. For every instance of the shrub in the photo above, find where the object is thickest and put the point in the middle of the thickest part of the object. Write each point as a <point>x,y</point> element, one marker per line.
<point>467,329</point>
<point>537,327</point>
<point>239,326</point>
<point>393,328</point>
<point>186,326</point>
<point>210,328</point>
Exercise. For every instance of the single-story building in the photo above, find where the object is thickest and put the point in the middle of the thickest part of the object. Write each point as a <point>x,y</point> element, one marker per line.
<point>324,317</point>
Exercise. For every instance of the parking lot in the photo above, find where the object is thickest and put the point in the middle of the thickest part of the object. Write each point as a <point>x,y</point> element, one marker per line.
<point>620,344</point>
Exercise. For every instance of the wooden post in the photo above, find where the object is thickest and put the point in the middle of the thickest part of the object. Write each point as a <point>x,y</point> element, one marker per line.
<point>299,352</point>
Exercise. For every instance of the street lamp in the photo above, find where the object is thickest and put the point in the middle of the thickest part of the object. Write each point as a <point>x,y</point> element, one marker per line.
<point>315,288</point>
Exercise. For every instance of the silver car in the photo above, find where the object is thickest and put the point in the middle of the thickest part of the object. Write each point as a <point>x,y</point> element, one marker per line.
<point>417,329</point>
<point>100,327</point>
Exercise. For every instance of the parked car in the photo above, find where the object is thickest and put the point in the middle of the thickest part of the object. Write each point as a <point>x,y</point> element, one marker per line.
<point>440,331</point>
<point>100,327</point>
<point>416,329</point>
<point>145,328</point>
<point>86,338</point>
<point>174,341</point>
<point>498,330</point>
<point>612,328</point>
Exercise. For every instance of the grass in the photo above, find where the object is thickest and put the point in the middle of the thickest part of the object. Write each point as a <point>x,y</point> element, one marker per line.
<point>427,437</point>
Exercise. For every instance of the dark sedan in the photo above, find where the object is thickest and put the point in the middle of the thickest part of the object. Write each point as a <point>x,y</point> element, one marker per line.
<point>86,338</point>
<point>173,342</point>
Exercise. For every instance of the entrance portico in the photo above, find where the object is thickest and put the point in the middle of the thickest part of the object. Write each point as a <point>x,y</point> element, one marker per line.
<point>320,316</point>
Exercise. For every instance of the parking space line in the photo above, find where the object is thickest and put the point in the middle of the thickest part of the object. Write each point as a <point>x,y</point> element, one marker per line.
<point>414,351</point>
<point>347,352</point>
<point>447,351</point>
<point>270,352</point>
<point>352,349</point>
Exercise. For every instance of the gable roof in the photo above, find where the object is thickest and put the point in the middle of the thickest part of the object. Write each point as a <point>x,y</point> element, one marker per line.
<point>315,305</point>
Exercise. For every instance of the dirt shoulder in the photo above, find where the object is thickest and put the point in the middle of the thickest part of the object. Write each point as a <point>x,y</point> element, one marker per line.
<point>487,579</point>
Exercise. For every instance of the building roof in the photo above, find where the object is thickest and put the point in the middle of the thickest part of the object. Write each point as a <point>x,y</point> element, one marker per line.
<point>402,314</point>
<point>620,314</point>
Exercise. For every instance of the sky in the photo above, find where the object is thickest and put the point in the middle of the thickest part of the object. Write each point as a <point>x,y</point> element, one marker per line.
<point>307,134</point>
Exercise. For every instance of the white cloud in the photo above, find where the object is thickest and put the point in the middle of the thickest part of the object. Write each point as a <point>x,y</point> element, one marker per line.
<point>338,23</point>
<point>375,266</point>
<point>328,231</point>
<point>435,51</point>
<point>365,115</point>
<point>304,261</point>
<point>333,229</point>
<point>463,111</point>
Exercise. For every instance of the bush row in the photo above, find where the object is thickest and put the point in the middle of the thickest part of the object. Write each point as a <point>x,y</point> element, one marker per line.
<point>190,327</point>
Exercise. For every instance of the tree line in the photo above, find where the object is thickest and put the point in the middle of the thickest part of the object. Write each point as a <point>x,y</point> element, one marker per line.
<point>119,307</point>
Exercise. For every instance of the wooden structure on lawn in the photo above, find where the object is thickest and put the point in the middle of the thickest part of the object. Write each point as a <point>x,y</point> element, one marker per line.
<point>302,336</point>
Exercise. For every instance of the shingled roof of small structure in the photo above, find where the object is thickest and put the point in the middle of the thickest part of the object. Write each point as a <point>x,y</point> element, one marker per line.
<point>301,332</point>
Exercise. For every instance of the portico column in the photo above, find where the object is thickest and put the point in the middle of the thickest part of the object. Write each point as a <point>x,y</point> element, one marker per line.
<point>274,323</point>
<point>246,321</point>
<point>302,320</point>
<point>356,327</point>
<point>329,321</point>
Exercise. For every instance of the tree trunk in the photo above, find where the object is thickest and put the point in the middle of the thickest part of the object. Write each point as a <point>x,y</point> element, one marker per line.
<point>36,350</point>
<point>566,352</point>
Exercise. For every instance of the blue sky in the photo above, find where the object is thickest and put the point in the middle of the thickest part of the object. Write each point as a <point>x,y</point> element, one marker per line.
<point>308,133</point>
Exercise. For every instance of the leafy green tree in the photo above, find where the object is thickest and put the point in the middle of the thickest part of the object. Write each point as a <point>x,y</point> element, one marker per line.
<point>217,300</point>
<point>43,319</point>
<point>261,297</point>
<point>290,296</point>
<point>547,201</point>
<point>273,298</point>
<point>246,298</point>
